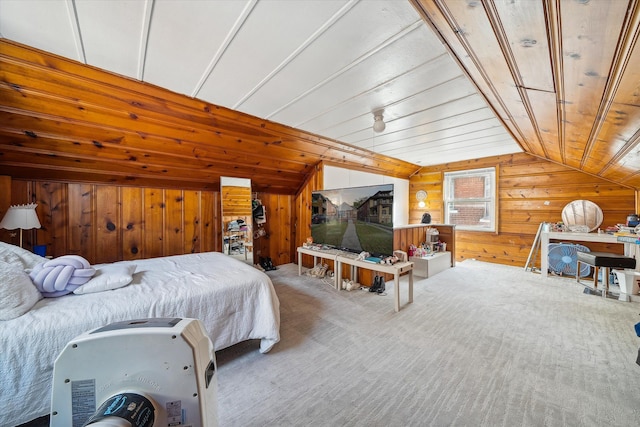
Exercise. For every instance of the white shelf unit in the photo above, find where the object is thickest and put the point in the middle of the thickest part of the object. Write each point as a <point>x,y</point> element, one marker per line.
<point>431,264</point>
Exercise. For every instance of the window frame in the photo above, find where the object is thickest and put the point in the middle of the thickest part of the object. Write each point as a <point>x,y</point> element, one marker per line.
<point>491,199</point>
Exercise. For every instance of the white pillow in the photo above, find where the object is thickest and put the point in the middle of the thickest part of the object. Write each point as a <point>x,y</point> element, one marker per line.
<point>17,292</point>
<point>107,277</point>
<point>13,254</point>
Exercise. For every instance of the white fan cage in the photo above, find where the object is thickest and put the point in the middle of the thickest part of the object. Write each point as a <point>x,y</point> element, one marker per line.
<point>563,259</point>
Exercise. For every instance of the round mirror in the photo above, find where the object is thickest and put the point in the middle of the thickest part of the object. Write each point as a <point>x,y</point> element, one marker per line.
<point>582,215</point>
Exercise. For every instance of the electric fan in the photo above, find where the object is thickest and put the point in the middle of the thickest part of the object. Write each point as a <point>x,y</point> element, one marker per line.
<point>563,259</point>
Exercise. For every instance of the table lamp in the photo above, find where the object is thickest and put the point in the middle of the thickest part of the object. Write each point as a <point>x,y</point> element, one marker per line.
<point>21,216</point>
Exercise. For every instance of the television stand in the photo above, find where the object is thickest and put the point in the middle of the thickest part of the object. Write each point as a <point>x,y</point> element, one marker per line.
<point>340,257</point>
<point>316,253</point>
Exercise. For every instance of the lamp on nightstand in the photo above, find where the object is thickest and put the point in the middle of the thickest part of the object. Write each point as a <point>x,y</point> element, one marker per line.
<point>21,216</point>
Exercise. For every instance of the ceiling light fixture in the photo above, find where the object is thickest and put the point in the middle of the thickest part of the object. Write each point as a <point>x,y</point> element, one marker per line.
<point>378,121</point>
<point>421,195</point>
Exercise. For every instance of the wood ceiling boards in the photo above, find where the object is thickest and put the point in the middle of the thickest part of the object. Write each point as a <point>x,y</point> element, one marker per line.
<point>562,76</point>
<point>63,120</point>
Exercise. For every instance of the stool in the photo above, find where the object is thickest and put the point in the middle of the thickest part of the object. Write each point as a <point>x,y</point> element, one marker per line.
<point>603,260</point>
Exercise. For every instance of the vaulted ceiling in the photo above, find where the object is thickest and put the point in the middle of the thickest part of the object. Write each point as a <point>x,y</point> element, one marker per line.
<point>562,75</point>
<point>454,79</point>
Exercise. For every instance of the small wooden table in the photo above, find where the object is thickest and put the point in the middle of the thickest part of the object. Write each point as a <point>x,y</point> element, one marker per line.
<point>396,269</point>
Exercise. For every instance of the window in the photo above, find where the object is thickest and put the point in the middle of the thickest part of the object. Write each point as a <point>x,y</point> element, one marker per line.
<point>470,199</point>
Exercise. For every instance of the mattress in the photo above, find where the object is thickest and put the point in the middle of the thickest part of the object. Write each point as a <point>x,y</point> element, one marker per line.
<point>234,301</point>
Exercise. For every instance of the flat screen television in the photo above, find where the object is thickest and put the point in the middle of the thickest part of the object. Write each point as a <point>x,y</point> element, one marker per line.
<point>354,219</point>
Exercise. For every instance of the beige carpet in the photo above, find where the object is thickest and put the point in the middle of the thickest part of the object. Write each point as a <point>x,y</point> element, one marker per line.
<point>482,345</point>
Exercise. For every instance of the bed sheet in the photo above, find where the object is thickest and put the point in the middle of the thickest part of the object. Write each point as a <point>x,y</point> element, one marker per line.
<point>234,301</point>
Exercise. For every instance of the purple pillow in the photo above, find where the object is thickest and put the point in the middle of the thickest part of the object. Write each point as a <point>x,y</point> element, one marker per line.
<point>62,275</point>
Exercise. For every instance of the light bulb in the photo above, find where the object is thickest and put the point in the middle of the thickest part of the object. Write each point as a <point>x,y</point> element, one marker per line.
<point>378,123</point>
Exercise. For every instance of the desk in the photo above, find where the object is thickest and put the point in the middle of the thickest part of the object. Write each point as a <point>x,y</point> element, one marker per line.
<point>546,236</point>
<point>322,254</point>
<point>631,247</point>
<point>396,269</point>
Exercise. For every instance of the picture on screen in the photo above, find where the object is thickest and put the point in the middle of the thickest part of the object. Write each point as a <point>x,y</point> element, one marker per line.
<point>355,219</point>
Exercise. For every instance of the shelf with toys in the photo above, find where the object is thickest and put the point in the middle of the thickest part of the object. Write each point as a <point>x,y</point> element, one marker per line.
<point>420,240</point>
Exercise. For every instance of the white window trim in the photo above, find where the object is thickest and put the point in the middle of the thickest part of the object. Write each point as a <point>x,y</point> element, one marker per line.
<point>492,199</point>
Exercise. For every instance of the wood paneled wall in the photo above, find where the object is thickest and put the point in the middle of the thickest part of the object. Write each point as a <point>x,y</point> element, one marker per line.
<point>236,201</point>
<point>416,234</point>
<point>278,242</point>
<point>530,191</point>
<point>431,182</point>
<point>111,223</point>
<point>303,212</point>
<point>107,223</point>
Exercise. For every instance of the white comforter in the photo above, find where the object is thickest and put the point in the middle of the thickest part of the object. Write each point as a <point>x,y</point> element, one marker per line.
<point>235,302</point>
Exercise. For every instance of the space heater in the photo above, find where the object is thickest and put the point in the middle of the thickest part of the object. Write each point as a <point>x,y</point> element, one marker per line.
<point>139,373</point>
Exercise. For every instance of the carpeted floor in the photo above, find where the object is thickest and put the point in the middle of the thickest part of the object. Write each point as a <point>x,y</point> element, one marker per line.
<point>482,345</point>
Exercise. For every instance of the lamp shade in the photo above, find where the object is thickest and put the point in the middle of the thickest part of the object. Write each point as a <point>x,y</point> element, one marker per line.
<point>21,216</point>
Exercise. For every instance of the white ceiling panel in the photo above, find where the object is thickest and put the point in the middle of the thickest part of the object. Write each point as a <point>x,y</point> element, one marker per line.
<point>255,53</point>
<point>405,87</point>
<point>364,78</point>
<point>43,24</point>
<point>411,110</point>
<point>420,122</point>
<point>179,60</point>
<point>478,129</point>
<point>358,33</point>
<point>425,127</point>
<point>464,150</point>
<point>320,66</point>
<point>123,20</point>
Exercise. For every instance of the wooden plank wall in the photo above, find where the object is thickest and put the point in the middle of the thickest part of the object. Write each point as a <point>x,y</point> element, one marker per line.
<point>303,205</point>
<point>431,182</point>
<point>278,242</point>
<point>303,212</point>
<point>5,202</point>
<point>110,223</point>
<point>149,222</point>
<point>236,201</point>
<point>416,234</point>
<point>530,191</point>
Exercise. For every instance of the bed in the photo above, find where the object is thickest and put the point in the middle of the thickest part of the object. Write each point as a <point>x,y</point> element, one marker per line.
<point>235,302</point>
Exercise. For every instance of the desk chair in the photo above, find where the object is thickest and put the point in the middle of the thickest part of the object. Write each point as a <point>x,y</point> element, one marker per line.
<point>604,260</point>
